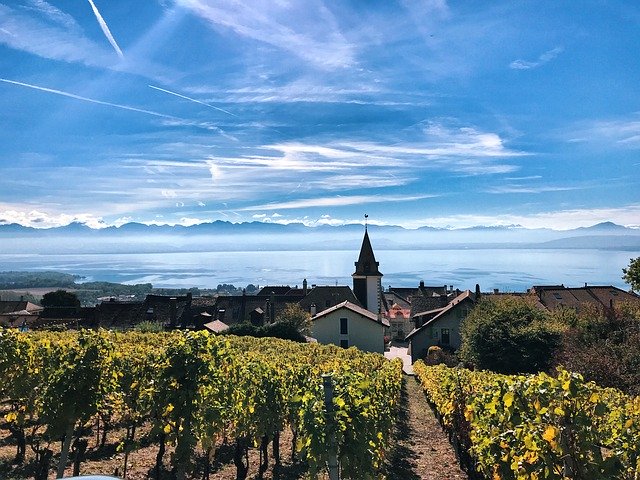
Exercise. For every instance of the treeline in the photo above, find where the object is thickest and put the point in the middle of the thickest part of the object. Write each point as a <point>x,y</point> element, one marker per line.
<point>197,391</point>
<point>14,280</point>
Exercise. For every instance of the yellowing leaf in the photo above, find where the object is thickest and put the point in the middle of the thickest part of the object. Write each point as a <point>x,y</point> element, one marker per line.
<point>507,398</point>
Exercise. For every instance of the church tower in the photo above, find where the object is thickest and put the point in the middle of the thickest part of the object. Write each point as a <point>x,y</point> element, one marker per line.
<point>367,279</point>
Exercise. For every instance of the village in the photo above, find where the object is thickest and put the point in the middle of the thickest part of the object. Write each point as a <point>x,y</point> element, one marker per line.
<point>365,315</point>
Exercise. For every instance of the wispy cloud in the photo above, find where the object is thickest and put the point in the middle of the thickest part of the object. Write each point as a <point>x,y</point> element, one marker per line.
<point>53,14</point>
<point>306,30</point>
<point>168,119</point>
<point>621,132</point>
<point>105,29</point>
<point>337,201</point>
<point>542,59</point>
<point>192,100</point>
<point>502,189</point>
<point>555,219</point>
<point>86,99</point>
<point>62,40</point>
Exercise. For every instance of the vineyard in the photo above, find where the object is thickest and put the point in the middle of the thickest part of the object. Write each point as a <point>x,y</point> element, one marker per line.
<point>536,427</point>
<point>194,392</point>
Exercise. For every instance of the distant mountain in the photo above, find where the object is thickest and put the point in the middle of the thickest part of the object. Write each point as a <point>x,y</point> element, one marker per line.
<point>264,235</point>
<point>604,227</point>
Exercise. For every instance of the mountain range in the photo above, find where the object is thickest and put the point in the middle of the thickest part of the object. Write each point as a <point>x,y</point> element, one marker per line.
<point>256,236</point>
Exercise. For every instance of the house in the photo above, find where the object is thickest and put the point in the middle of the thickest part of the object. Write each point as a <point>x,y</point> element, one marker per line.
<point>399,316</point>
<point>349,325</point>
<point>216,326</point>
<point>601,297</point>
<point>321,297</point>
<point>440,326</point>
<point>19,313</point>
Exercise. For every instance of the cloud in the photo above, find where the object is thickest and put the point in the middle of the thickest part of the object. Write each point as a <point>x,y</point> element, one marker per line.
<point>40,219</point>
<point>62,41</point>
<point>557,220</point>
<point>105,29</point>
<point>85,99</point>
<point>53,14</point>
<point>192,100</point>
<point>621,132</point>
<point>501,189</point>
<point>542,59</point>
<point>306,30</point>
<point>168,119</point>
<point>337,201</point>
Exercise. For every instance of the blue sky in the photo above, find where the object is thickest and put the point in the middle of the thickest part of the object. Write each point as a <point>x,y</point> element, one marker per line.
<point>422,112</point>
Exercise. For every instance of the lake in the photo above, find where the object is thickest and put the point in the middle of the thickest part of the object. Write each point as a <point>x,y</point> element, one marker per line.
<point>505,269</point>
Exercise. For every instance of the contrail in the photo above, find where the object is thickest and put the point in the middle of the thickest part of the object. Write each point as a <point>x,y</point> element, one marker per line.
<point>105,29</point>
<point>191,99</point>
<point>85,99</point>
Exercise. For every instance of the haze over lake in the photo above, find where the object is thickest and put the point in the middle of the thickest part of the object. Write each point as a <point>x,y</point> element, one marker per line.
<point>504,268</point>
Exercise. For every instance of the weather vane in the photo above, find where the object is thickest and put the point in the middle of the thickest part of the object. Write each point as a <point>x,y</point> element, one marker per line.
<point>365,221</point>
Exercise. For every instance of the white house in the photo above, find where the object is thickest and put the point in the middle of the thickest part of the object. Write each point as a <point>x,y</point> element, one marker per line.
<point>349,325</point>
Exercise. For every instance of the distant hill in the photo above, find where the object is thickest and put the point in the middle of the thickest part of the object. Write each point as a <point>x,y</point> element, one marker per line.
<point>257,236</point>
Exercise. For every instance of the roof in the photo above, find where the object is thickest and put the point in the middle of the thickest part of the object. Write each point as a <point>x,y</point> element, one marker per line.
<point>275,289</point>
<point>325,296</point>
<point>394,299</point>
<point>366,264</point>
<point>440,312</point>
<point>12,306</point>
<point>354,308</point>
<point>216,326</point>
<point>602,296</point>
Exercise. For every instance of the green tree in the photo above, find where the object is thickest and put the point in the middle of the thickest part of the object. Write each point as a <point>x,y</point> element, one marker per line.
<point>294,315</point>
<point>509,335</point>
<point>632,273</point>
<point>60,298</point>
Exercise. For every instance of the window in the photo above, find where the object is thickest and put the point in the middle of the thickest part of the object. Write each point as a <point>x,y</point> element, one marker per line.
<point>558,296</point>
<point>445,336</point>
<point>344,330</point>
<point>344,343</point>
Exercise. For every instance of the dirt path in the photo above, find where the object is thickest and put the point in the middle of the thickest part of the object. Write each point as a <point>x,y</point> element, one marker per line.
<point>422,450</point>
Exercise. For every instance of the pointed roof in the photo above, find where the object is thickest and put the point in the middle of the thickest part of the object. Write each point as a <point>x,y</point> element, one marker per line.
<point>366,264</point>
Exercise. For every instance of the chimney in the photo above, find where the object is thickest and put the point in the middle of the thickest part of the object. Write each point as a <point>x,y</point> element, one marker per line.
<point>421,283</point>
<point>22,298</point>
<point>314,310</point>
<point>189,297</point>
<point>585,284</point>
<point>496,291</point>
<point>304,287</point>
<point>173,312</point>
<point>451,288</point>
<point>477,292</point>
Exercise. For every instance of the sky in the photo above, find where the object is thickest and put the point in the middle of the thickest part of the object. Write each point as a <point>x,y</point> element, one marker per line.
<point>419,112</point>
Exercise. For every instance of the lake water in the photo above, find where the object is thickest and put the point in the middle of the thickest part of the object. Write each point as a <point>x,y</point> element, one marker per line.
<point>506,269</point>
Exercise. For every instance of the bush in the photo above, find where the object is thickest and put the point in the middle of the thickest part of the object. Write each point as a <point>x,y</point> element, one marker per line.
<point>509,335</point>
<point>278,330</point>
<point>602,345</point>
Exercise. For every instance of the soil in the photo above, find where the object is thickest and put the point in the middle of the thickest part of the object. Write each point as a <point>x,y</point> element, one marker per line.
<point>420,450</point>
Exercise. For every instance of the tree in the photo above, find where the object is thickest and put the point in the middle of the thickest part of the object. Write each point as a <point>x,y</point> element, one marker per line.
<point>603,345</point>
<point>294,315</point>
<point>60,298</point>
<point>509,335</point>
<point>632,274</point>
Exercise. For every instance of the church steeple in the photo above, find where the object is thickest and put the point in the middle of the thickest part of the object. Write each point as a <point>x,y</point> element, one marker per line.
<point>367,279</point>
<point>366,264</point>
